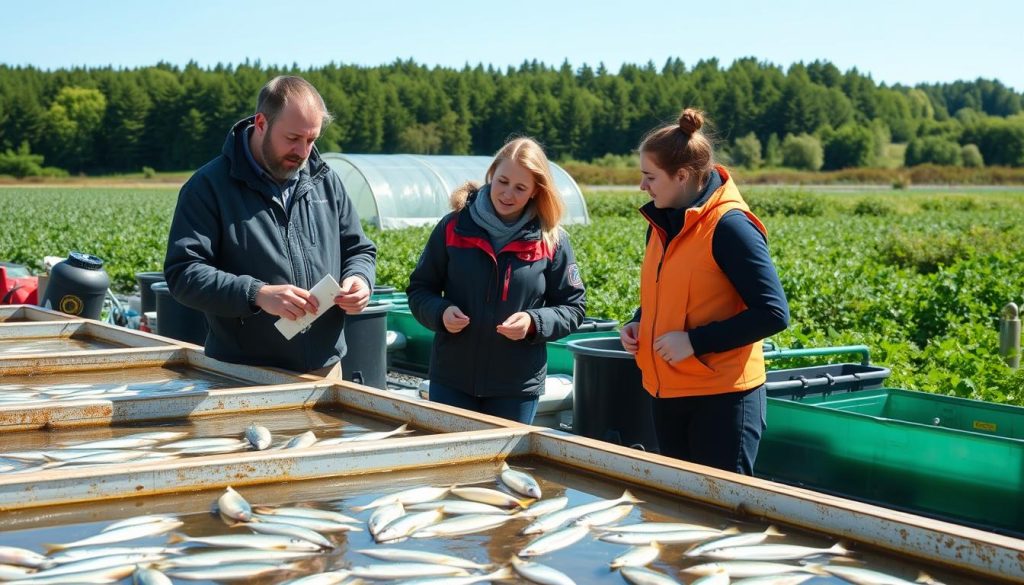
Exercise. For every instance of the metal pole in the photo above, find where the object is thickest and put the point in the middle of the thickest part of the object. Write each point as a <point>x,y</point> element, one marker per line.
<point>1009,335</point>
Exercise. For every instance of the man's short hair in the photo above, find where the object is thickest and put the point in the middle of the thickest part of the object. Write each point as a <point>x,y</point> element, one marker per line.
<point>275,95</point>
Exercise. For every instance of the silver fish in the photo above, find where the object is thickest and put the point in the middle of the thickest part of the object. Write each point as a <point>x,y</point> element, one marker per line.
<point>459,507</point>
<point>643,576</point>
<point>81,554</point>
<point>108,575</point>
<point>544,507</point>
<point>489,496</point>
<point>121,443</point>
<point>606,516</point>
<point>682,537</point>
<point>520,482</point>
<point>119,535</point>
<point>540,573</point>
<point>291,530</point>
<point>409,496</point>
<point>110,457</point>
<point>502,574</point>
<point>417,556</point>
<point>135,521</point>
<point>207,442</point>
<point>261,541</point>
<point>306,439</point>
<point>740,569</point>
<point>328,578</point>
<point>383,516</point>
<point>459,525</point>
<point>232,555</point>
<point>22,557</point>
<point>719,578</point>
<point>555,519</point>
<point>87,565</point>
<point>656,527</point>
<point>143,576</point>
<point>309,523</point>
<point>861,576</point>
<point>14,572</point>
<point>215,449</point>
<point>258,436</point>
<point>296,512</point>
<point>408,524</point>
<point>226,572</point>
<point>233,505</point>
<point>638,556</point>
<point>405,570</point>
<point>772,552</point>
<point>783,579</point>
<point>373,436</point>
<point>742,539</point>
<point>554,541</point>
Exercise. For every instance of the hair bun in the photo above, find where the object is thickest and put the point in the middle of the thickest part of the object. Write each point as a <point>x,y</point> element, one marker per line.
<point>691,120</point>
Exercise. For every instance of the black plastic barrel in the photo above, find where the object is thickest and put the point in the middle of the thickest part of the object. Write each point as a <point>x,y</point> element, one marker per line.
<point>597,324</point>
<point>146,280</point>
<point>609,402</point>
<point>177,321</point>
<point>77,286</point>
<point>366,360</point>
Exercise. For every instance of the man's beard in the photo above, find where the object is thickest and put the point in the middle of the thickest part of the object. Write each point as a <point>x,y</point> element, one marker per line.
<point>276,165</point>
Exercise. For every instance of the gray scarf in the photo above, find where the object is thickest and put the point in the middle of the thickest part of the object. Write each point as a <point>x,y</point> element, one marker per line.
<point>501,233</point>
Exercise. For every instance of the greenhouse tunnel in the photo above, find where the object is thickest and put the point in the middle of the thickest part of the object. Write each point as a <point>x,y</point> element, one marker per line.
<point>394,191</point>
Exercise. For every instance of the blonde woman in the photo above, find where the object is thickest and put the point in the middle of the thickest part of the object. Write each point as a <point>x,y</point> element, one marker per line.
<point>496,281</point>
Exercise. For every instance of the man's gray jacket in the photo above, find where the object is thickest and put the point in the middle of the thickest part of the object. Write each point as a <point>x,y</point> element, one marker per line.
<point>230,234</point>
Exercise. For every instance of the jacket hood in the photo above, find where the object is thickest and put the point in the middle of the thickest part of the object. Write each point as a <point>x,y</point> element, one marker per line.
<point>242,170</point>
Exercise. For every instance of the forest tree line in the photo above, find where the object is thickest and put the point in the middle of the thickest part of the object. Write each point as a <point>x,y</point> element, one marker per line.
<point>807,116</point>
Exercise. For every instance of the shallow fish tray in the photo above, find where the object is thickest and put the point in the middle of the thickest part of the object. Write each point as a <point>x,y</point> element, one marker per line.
<point>12,314</point>
<point>70,337</point>
<point>356,473</point>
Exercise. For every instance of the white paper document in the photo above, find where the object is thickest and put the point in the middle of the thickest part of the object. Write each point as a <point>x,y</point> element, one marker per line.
<point>324,292</point>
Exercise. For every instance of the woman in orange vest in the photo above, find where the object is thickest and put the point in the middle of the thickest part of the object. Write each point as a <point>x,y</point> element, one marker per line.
<point>709,294</point>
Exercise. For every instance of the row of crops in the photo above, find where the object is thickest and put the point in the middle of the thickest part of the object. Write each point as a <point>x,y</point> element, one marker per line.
<point>919,277</point>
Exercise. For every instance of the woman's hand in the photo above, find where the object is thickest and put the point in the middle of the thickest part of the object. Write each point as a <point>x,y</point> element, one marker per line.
<point>516,326</point>
<point>454,319</point>
<point>628,335</point>
<point>673,347</point>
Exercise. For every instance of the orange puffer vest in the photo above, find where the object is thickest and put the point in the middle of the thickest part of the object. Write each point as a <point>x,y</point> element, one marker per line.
<point>681,288</point>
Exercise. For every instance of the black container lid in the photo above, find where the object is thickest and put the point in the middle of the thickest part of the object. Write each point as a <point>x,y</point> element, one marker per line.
<point>86,261</point>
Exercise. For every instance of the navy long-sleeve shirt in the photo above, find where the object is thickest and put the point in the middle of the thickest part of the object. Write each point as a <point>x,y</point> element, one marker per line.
<point>741,251</point>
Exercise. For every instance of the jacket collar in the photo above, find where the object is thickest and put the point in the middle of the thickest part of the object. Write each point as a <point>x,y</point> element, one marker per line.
<point>712,197</point>
<point>240,169</point>
<point>467,227</point>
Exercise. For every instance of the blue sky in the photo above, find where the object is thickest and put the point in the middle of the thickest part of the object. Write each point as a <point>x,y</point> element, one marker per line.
<point>896,41</point>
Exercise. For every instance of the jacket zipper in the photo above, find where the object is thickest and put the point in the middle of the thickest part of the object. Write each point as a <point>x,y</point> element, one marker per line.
<point>508,278</point>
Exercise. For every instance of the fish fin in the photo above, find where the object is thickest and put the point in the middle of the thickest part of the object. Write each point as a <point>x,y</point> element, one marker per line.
<point>175,538</point>
<point>263,509</point>
<point>629,497</point>
<point>731,530</point>
<point>52,548</point>
<point>839,549</point>
<point>816,569</point>
<point>773,531</point>
<point>504,466</point>
<point>923,577</point>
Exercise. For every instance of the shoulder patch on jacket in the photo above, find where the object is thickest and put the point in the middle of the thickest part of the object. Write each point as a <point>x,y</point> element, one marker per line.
<point>574,276</point>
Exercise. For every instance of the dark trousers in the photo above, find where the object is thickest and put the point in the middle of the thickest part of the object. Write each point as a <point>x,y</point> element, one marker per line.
<point>721,430</point>
<point>517,408</point>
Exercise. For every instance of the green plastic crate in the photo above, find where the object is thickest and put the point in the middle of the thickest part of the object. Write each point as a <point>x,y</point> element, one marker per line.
<point>950,458</point>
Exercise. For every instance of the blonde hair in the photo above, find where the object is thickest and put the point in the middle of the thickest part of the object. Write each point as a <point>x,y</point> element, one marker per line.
<point>682,146</point>
<point>546,200</point>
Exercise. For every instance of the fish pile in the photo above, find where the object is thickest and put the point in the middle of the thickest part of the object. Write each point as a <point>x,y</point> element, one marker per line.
<point>22,394</point>
<point>165,446</point>
<point>297,543</point>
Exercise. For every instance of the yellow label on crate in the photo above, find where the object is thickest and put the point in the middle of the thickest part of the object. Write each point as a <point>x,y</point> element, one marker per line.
<point>984,426</point>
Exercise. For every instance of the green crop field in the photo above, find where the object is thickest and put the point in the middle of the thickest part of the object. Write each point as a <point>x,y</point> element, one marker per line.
<point>918,276</point>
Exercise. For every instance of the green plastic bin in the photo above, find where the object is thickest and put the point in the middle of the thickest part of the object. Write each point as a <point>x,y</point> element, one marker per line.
<point>950,458</point>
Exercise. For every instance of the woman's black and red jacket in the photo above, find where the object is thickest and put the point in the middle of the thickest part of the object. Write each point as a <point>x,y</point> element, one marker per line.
<point>460,267</point>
